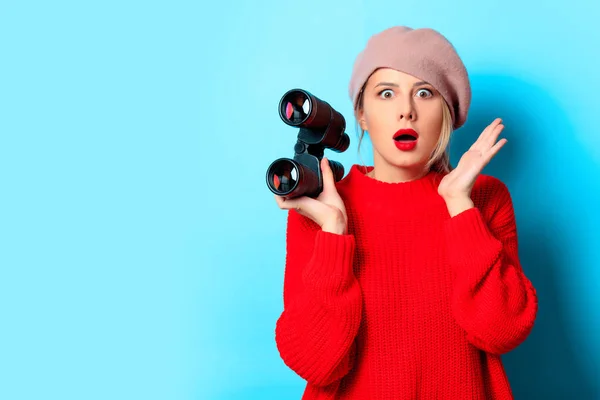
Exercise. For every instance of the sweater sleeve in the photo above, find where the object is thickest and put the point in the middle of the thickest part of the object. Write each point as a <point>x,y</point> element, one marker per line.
<point>492,300</point>
<point>315,333</point>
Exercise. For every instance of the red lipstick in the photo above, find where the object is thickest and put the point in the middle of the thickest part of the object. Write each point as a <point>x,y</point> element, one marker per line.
<point>406,139</point>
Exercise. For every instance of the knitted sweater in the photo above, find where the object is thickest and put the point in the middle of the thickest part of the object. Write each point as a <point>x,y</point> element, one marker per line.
<point>409,304</point>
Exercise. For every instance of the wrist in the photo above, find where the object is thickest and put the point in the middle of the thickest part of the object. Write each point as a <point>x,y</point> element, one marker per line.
<point>457,205</point>
<point>336,225</point>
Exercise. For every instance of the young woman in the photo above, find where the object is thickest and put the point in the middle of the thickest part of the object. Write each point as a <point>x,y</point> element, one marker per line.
<point>403,280</point>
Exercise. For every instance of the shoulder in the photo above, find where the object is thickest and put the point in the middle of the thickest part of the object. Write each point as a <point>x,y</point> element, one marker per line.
<point>488,185</point>
<point>490,194</point>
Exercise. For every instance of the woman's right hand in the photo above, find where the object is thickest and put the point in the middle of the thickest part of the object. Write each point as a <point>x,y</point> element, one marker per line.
<point>327,210</point>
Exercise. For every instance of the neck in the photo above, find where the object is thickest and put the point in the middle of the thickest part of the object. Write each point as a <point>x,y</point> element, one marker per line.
<point>385,172</point>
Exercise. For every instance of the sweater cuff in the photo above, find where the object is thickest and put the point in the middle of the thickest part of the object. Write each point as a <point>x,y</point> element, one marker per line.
<point>331,266</point>
<point>471,244</point>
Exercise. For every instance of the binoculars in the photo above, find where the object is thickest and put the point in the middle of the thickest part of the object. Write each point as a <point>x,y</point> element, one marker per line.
<point>321,127</point>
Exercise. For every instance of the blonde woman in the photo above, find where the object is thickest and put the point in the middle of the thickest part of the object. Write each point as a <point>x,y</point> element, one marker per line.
<point>403,280</point>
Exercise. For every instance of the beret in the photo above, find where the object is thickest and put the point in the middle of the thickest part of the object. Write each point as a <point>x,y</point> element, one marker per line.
<point>423,53</point>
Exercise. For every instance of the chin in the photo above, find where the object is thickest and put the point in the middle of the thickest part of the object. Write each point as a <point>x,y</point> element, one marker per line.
<point>408,160</point>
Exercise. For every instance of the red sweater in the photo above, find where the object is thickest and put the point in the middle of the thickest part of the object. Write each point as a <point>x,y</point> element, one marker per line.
<point>411,303</point>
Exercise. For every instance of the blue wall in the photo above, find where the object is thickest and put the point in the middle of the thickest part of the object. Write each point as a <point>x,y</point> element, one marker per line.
<point>141,254</point>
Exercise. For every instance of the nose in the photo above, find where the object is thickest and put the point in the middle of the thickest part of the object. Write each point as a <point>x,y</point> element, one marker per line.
<point>407,111</point>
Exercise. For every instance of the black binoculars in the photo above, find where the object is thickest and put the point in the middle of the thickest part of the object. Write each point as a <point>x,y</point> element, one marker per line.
<point>321,127</point>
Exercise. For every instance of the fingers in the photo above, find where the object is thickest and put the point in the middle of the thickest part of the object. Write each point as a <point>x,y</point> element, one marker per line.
<point>279,200</point>
<point>299,204</point>
<point>288,204</point>
<point>489,136</point>
<point>490,128</point>
<point>495,148</point>
<point>492,136</point>
<point>328,179</point>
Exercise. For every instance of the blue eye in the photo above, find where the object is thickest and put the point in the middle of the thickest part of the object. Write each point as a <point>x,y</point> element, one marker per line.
<point>426,90</point>
<point>390,91</point>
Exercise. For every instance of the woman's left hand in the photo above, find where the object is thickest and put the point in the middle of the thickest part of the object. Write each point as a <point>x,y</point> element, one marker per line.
<point>459,182</point>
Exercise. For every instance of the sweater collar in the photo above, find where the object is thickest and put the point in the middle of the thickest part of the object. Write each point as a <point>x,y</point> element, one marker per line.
<point>373,187</point>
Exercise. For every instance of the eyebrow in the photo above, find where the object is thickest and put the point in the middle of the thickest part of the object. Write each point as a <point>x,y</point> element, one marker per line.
<point>420,83</point>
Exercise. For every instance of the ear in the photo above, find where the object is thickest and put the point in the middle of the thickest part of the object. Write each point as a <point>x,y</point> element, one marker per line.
<point>360,116</point>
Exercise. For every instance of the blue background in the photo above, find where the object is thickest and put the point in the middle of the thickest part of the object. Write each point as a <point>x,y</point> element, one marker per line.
<point>141,253</point>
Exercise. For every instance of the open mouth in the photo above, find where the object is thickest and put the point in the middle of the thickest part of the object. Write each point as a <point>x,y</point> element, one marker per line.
<point>406,135</point>
<point>405,138</point>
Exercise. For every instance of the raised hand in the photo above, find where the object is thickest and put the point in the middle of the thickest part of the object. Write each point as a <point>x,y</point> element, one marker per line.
<point>459,182</point>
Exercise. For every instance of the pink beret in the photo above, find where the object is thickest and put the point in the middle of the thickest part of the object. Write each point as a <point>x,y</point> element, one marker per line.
<point>423,53</point>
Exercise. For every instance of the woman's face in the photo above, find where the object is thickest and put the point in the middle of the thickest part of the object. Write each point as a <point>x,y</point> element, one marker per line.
<point>394,100</point>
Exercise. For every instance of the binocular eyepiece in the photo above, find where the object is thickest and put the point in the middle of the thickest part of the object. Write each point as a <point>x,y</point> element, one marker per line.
<point>321,126</point>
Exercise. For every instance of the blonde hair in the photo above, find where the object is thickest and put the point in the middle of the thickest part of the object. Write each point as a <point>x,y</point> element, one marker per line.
<point>439,159</point>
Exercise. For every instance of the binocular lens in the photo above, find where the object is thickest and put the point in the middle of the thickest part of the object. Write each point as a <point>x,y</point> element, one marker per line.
<point>321,127</point>
<point>284,176</point>
<point>296,107</point>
